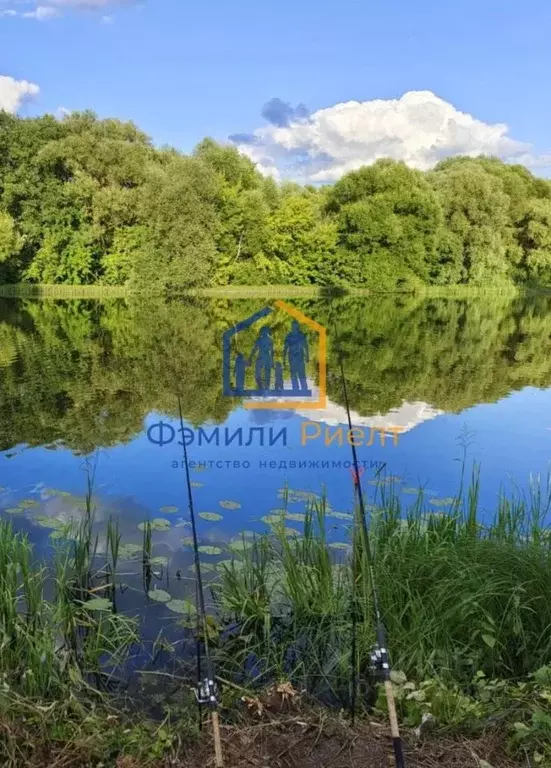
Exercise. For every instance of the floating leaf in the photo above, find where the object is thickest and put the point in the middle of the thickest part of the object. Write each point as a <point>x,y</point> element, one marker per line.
<point>205,567</point>
<point>412,491</point>
<point>272,519</point>
<point>222,564</point>
<point>129,551</point>
<point>211,516</point>
<point>59,533</point>
<point>296,517</point>
<point>14,510</point>
<point>442,502</point>
<point>291,532</point>
<point>230,504</point>
<point>98,604</point>
<point>239,545</point>
<point>48,522</point>
<point>168,510</point>
<point>28,503</point>
<point>159,595</point>
<point>181,606</point>
<point>158,524</point>
<point>159,560</point>
<point>339,545</point>
<point>195,484</point>
<point>207,549</point>
<point>340,515</point>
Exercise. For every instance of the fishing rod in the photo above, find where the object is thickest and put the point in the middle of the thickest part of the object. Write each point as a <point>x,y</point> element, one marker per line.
<point>379,656</point>
<point>206,691</point>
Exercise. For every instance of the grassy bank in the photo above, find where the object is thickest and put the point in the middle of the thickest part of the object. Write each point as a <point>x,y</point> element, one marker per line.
<point>30,290</point>
<point>35,291</point>
<point>465,603</point>
<point>465,606</point>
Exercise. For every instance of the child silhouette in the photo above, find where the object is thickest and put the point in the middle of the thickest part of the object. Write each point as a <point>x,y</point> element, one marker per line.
<point>240,370</point>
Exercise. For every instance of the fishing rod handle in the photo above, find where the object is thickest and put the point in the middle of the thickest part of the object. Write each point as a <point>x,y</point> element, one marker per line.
<point>394,729</point>
<point>219,760</point>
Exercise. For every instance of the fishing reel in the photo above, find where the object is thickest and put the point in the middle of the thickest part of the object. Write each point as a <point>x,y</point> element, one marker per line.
<point>379,662</point>
<point>206,693</point>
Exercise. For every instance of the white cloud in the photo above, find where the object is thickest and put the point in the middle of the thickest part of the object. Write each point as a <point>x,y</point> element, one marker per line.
<point>14,92</point>
<point>41,13</point>
<point>419,128</point>
<point>89,4</point>
<point>57,7</point>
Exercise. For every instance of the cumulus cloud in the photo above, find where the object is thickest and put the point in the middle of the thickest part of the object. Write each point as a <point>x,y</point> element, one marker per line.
<point>57,7</point>
<point>14,92</point>
<point>419,128</point>
<point>40,13</point>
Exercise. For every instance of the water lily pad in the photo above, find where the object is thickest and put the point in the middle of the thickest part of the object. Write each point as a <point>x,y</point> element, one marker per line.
<point>339,545</point>
<point>98,604</point>
<point>292,532</point>
<point>296,517</point>
<point>14,510</point>
<point>207,549</point>
<point>159,560</point>
<point>442,502</point>
<point>160,595</point>
<point>48,522</point>
<point>157,524</point>
<point>222,564</point>
<point>340,515</point>
<point>129,551</point>
<point>211,516</point>
<point>187,541</point>
<point>412,491</point>
<point>239,545</point>
<point>205,567</point>
<point>272,519</point>
<point>168,510</point>
<point>58,534</point>
<point>29,503</point>
<point>181,606</point>
<point>195,484</point>
<point>230,504</point>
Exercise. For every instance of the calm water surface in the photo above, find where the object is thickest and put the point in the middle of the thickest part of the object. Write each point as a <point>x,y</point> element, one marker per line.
<point>87,379</point>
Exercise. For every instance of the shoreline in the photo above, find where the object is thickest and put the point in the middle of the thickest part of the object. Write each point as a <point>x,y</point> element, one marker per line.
<point>62,291</point>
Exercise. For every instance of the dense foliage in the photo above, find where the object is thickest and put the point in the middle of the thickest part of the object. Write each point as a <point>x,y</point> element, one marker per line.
<point>84,201</point>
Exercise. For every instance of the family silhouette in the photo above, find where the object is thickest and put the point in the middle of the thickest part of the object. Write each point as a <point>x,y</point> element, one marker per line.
<point>295,354</point>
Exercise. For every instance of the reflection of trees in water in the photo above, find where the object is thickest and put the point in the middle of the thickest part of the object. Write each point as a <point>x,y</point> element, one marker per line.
<point>87,372</point>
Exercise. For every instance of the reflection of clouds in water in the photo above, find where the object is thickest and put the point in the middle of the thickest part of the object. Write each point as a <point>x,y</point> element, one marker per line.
<point>407,416</point>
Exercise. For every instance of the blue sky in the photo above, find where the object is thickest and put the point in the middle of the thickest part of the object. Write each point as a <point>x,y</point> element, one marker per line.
<point>184,70</point>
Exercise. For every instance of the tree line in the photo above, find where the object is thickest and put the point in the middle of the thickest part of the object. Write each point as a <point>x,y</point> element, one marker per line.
<point>86,201</point>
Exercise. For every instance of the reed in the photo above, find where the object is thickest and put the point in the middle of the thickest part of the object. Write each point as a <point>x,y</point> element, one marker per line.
<point>457,595</point>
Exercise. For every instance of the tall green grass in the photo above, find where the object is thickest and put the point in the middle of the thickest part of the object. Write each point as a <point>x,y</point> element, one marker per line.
<point>457,595</point>
<point>58,630</point>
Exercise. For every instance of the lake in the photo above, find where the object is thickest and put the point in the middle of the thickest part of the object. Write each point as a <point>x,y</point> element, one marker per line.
<point>95,384</point>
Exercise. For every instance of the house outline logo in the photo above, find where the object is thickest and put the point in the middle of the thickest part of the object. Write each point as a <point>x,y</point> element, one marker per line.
<point>296,399</point>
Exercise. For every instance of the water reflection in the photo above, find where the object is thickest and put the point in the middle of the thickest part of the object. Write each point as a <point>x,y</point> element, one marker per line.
<point>79,377</point>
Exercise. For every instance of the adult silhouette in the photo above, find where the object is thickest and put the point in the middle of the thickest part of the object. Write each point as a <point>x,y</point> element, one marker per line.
<point>296,350</point>
<point>264,351</point>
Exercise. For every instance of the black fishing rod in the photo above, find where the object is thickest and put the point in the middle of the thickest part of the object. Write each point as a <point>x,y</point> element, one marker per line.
<point>206,691</point>
<point>379,656</point>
